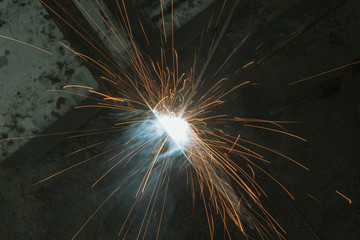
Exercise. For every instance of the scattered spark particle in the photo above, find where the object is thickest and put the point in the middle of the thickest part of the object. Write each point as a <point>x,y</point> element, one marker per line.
<point>343,196</point>
<point>314,198</point>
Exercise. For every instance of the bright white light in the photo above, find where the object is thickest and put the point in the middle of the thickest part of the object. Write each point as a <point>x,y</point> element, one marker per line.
<point>177,128</point>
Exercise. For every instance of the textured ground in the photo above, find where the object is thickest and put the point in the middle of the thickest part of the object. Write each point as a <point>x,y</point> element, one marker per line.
<point>25,108</point>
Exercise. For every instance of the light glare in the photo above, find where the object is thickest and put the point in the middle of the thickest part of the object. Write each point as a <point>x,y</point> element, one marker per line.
<point>176,127</point>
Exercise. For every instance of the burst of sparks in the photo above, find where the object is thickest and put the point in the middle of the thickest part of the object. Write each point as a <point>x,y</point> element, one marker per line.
<point>220,162</point>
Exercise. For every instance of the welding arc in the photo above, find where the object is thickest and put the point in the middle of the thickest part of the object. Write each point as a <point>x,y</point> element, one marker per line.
<point>157,117</point>
<point>199,78</point>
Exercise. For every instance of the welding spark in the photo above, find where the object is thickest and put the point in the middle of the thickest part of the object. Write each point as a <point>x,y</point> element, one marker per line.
<point>176,127</point>
<point>216,157</point>
<point>149,94</point>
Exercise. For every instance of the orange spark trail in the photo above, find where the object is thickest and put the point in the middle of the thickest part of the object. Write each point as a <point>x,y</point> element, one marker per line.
<point>343,196</point>
<point>314,198</point>
<point>323,73</point>
<point>27,44</point>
